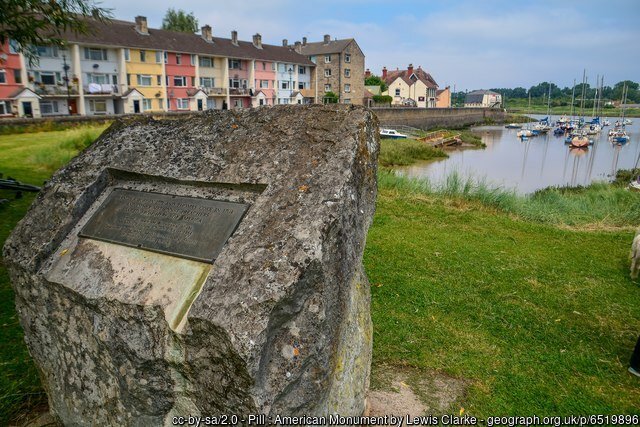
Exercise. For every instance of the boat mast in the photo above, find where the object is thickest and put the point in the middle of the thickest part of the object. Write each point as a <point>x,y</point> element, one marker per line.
<point>583,94</point>
<point>573,97</point>
<point>549,103</point>
<point>595,96</point>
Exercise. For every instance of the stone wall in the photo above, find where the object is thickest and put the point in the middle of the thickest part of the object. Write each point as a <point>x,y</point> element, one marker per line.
<point>428,118</point>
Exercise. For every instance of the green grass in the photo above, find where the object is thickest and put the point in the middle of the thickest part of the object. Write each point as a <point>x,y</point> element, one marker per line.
<point>402,152</point>
<point>48,126</point>
<point>534,318</point>
<point>599,205</point>
<point>537,107</point>
<point>30,158</point>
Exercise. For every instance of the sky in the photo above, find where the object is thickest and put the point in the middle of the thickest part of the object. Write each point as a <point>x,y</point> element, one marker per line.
<point>465,44</point>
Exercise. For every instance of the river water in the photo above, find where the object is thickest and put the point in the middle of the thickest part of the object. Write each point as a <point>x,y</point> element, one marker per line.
<point>536,163</point>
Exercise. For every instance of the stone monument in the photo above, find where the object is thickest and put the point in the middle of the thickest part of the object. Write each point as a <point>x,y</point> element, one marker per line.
<point>203,266</point>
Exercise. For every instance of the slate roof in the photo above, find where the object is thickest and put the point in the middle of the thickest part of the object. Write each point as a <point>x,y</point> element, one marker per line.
<point>119,33</point>
<point>422,75</point>
<point>476,96</point>
<point>320,48</point>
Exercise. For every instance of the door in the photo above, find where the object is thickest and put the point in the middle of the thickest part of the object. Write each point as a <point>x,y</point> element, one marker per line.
<point>136,106</point>
<point>73,107</point>
<point>26,108</point>
<point>199,104</point>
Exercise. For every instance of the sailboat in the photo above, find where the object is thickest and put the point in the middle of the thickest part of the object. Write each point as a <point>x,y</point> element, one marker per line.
<point>618,135</point>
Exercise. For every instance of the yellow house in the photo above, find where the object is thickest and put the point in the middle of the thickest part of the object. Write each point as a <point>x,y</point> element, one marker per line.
<point>213,78</point>
<point>145,74</point>
<point>413,88</point>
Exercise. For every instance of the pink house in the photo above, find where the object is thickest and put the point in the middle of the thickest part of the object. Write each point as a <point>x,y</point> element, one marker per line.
<point>240,95</point>
<point>10,78</point>
<point>265,79</point>
<point>181,82</point>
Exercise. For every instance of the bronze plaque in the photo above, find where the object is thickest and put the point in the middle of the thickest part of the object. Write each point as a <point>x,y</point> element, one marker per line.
<point>187,227</point>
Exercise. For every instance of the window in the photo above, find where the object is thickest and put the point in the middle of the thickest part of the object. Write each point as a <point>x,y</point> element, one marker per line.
<point>347,72</point>
<point>97,78</point>
<point>159,57</point>
<point>17,76</point>
<point>179,81</point>
<point>146,104</point>
<point>313,59</point>
<point>237,103</point>
<point>302,70</point>
<point>161,103</point>
<point>158,80</point>
<point>347,88</point>
<point>183,103</point>
<point>5,108</point>
<point>206,61</point>
<point>95,54</point>
<point>48,107</point>
<point>264,84</point>
<point>397,92</point>
<point>127,55</point>
<point>128,79</point>
<point>166,57</point>
<point>285,85</point>
<point>144,80</point>
<point>327,88</point>
<point>98,106</point>
<point>114,79</point>
<point>178,58</point>
<point>47,51</point>
<point>261,101</point>
<point>347,57</point>
<point>207,82</point>
<point>264,66</point>
<point>302,85</point>
<point>234,64</point>
<point>211,104</point>
<point>273,66</point>
<point>49,77</point>
<point>3,76</point>
<point>193,59</point>
<point>234,83</point>
<point>193,81</point>
<point>143,56</point>
<point>14,46</point>
<point>346,101</point>
<point>327,59</point>
<point>327,72</point>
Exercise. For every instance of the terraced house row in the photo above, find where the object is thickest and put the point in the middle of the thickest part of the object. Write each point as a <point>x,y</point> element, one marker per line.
<point>125,67</point>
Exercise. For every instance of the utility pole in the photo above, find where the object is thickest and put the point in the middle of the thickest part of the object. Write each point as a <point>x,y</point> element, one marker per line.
<point>66,67</point>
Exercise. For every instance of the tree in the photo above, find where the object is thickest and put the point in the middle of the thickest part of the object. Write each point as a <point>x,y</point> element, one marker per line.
<point>179,21</point>
<point>375,81</point>
<point>330,98</point>
<point>29,23</point>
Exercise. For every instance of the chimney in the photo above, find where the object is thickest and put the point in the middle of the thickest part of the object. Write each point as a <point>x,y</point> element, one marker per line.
<point>367,74</point>
<point>285,42</point>
<point>206,33</point>
<point>141,25</point>
<point>298,47</point>
<point>327,38</point>
<point>410,69</point>
<point>304,41</point>
<point>257,40</point>
<point>234,37</point>
<point>384,72</point>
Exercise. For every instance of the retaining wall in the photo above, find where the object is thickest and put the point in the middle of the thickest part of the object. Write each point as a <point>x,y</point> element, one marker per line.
<point>428,118</point>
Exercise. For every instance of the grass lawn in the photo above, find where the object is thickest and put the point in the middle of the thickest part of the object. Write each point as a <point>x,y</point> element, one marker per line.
<point>30,158</point>
<point>402,152</point>
<point>534,313</point>
<point>535,319</point>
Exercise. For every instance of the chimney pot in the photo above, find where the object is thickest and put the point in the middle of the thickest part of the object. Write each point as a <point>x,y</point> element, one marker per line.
<point>285,42</point>
<point>141,25</point>
<point>367,73</point>
<point>207,33</point>
<point>410,68</point>
<point>257,41</point>
<point>304,41</point>
<point>298,47</point>
<point>327,38</point>
<point>384,72</point>
<point>234,37</point>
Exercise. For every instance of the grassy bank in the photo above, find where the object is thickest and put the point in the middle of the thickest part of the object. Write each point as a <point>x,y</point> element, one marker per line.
<point>521,106</point>
<point>598,205</point>
<point>49,126</point>
<point>532,318</point>
<point>403,152</point>
<point>30,158</point>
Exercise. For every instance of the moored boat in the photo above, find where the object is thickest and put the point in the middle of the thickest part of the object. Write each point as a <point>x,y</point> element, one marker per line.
<point>579,141</point>
<point>390,133</point>
<point>513,126</point>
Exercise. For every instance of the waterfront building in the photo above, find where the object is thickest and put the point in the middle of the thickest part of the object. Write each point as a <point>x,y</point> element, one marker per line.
<point>482,99</point>
<point>339,68</point>
<point>443,98</point>
<point>123,67</point>
<point>411,87</point>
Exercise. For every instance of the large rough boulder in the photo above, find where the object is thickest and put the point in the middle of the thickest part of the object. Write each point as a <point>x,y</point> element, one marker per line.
<point>278,323</point>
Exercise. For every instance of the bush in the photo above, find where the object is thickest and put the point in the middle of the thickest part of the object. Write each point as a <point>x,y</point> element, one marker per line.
<point>382,99</point>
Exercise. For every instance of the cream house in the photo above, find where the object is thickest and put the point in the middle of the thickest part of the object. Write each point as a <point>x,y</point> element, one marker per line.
<point>411,87</point>
<point>482,99</point>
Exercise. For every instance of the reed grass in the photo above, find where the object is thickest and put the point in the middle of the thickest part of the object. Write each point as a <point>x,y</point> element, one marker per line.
<point>403,152</point>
